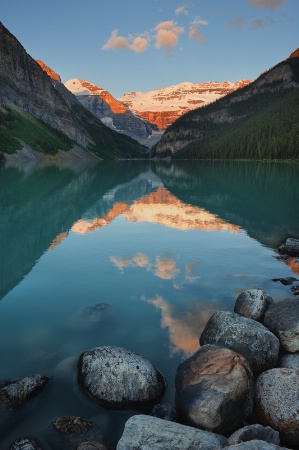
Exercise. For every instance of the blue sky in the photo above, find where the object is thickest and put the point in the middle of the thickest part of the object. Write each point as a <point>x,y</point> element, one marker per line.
<point>141,45</point>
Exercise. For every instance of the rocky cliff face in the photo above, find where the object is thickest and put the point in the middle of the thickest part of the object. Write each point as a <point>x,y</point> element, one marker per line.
<point>26,85</point>
<point>111,112</point>
<point>49,71</point>
<point>163,106</point>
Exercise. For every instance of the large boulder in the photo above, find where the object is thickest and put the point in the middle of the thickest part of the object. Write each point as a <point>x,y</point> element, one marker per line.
<point>214,389</point>
<point>253,304</point>
<point>255,445</point>
<point>68,432</point>
<point>245,336</point>
<point>277,402</point>
<point>290,247</point>
<point>119,378</point>
<point>254,432</point>
<point>150,433</point>
<point>283,320</point>
<point>15,394</point>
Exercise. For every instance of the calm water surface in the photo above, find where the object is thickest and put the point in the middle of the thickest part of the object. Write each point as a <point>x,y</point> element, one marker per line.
<point>164,245</point>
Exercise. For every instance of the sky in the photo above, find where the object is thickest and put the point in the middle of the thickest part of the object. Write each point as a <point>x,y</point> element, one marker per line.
<point>142,45</point>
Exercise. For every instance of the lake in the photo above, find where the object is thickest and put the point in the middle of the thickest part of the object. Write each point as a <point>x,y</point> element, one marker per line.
<point>163,245</point>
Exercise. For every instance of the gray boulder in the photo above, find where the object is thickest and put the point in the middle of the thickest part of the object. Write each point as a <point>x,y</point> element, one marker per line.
<point>253,304</point>
<point>283,320</point>
<point>290,247</point>
<point>150,433</point>
<point>255,445</point>
<point>254,432</point>
<point>24,444</point>
<point>68,432</point>
<point>289,361</point>
<point>214,389</point>
<point>119,378</point>
<point>277,402</point>
<point>245,336</point>
<point>16,394</point>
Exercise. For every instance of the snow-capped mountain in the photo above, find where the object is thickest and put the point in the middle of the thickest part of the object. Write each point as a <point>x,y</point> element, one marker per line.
<point>163,106</point>
<point>113,113</point>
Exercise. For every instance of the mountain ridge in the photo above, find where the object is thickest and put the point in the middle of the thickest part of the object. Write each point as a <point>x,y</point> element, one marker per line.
<point>165,105</point>
<point>257,121</point>
<point>39,111</point>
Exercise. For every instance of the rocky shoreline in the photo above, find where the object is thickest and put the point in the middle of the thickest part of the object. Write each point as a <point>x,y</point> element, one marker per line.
<point>239,390</point>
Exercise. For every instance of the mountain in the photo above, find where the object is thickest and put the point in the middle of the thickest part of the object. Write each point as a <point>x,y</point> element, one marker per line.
<point>163,106</point>
<point>112,112</point>
<point>258,121</point>
<point>38,111</point>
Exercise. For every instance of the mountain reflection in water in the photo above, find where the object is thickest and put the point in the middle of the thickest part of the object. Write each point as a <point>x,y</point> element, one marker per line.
<point>163,244</point>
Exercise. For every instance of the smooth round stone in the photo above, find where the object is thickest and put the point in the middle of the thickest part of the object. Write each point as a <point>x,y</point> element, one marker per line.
<point>120,378</point>
<point>253,304</point>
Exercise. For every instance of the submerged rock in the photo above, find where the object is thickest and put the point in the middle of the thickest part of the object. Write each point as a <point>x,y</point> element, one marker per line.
<point>214,389</point>
<point>24,444</point>
<point>277,402</point>
<point>146,432</point>
<point>95,446</point>
<point>290,247</point>
<point>253,304</point>
<point>254,432</point>
<point>91,315</point>
<point>16,394</point>
<point>283,320</point>
<point>69,431</point>
<point>119,378</point>
<point>245,336</point>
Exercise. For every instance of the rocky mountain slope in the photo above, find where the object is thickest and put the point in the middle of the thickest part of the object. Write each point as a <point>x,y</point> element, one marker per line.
<point>163,106</point>
<point>41,112</point>
<point>260,120</point>
<point>112,112</point>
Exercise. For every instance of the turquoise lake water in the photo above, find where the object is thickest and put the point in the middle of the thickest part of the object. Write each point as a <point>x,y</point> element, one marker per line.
<point>164,245</point>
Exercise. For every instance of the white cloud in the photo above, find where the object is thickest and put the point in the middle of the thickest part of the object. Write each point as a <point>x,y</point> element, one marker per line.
<point>138,44</point>
<point>168,33</point>
<point>181,10</point>
<point>270,4</point>
<point>199,21</point>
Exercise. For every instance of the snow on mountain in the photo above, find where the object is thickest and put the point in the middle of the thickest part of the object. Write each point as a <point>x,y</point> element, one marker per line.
<point>165,105</point>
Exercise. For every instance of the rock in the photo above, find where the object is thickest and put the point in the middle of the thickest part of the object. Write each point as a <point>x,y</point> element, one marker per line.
<point>277,402</point>
<point>256,445</point>
<point>253,304</point>
<point>95,446</point>
<point>151,433</point>
<point>15,394</point>
<point>290,247</point>
<point>289,361</point>
<point>165,411</point>
<point>119,378</point>
<point>283,320</point>
<point>295,289</point>
<point>285,281</point>
<point>69,431</point>
<point>254,432</point>
<point>245,336</point>
<point>24,444</point>
<point>214,389</point>
<point>282,257</point>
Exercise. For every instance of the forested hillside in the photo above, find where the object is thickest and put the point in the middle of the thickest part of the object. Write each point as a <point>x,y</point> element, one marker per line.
<point>260,121</point>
